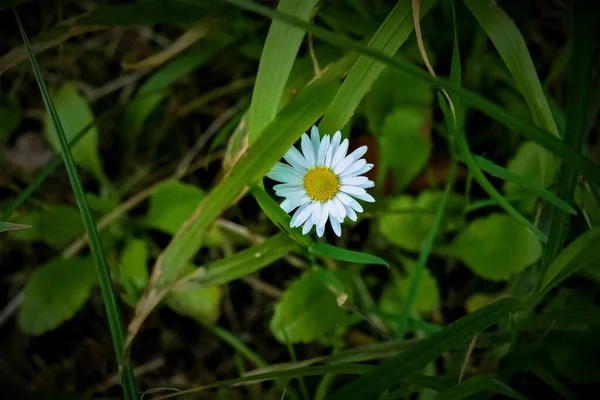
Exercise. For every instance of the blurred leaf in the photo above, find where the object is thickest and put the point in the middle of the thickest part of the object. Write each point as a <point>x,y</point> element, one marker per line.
<point>478,300</point>
<point>54,293</point>
<point>134,263</point>
<point>476,384</point>
<point>8,226</point>
<point>102,205</point>
<point>384,98</point>
<point>512,48</point>
<point>425,351</point>
<point>576,363</point>
<point>408,220</point>
<point>243,262</point>
<point>202,304</point>
<point>10,115</point>
<point>337,253</point>
<point>533,163</point>
<point>391,34</point>
<point>75,114</point>
<point>394,293</point>
<point>307,311</point>
<point>56,226</point>
<point>165,217</point>
<point>295,119</point>
<point>278,56</point>
<point>332,283</point>
<point>495,247</point>
<point>404,144</point>
<point>136,113</point>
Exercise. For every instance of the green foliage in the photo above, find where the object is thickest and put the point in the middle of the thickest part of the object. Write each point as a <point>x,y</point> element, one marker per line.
<point>496,247</point>
<point>54,293</point>
<point>336,253</point>
<point>307,311</point>
<point>56,226</point>
<point>201,304</point>
<point>133,263</point>
<point>408,220</point>
<point>10,115</point>
<point>75,114</point>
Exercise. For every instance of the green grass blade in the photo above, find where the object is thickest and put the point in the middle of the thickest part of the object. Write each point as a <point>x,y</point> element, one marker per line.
<point>108,294</point>
<point>477,384</point>
<point>7,226</point>
<point>337,253</point>
<point>243,262</point>
<point>278,56</point>
<point>415,282</point>
<point>577,114</point>
<point>503,173</point>
<point>495,111</point>
<point>392,33</point>
<point>512,48</point>
<point>426,351</point>
<point>295,119</point>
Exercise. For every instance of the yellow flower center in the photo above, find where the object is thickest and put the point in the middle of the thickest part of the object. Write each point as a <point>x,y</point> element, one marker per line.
<point>321,184</point>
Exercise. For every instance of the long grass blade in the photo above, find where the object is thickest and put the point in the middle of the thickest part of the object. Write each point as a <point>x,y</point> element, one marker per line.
<point>495,111</point>
<point>108,294</point>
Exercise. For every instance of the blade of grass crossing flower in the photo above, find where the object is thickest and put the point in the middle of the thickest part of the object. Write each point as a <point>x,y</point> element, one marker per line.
<point>337,253</point>
<point>512,48</point>
<point>503,173</point>
<point>425,351</point>
<point>392,33</point>
<point>495,111</point>
<point>585,16</point>
<point>415,283</point>
<point>108,294</point>
<point>278,56</point>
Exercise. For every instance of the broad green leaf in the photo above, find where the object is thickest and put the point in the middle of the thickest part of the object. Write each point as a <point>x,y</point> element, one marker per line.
<point>201,304</point>
<point>581,253</point>
<point>425,351</point>
<point>75,114</point>
<point>404,144</point>
<point>395,292</point>
<point>134,263</point>
<point>56,226</point>
<point>476,384</point>
<point>535,165</point>
<point>495,247</point>
<point>392,33</point>
<point>276,61</point>
<point>408,220</point>
<point>337,253</point>
<point>171,204</point>
<point>136,113</point>
<point>307,311</point>
<point>384,98</point>
<point>478,300</point>
<point>243,262</point>
<point>291,122</point>
<point>512,48</point>
<point>54,293</point>
<point>8,226</point>
<point>10,115</point>
<point>493,110</point>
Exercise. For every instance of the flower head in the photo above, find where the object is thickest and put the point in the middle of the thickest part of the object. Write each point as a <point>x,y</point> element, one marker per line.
<point>322,182</point>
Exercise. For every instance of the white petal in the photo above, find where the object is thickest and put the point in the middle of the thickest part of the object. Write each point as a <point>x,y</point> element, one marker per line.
<point>353,190</point>
<point>352,157</point>
<point>337,228</point>
<point>301,215</point>
<point>296,159</point>
<point>343,198</point>
<point>361,171</point>
<point>317,210</point>
<point>338,207</point>
<point>324,214</point>
<point>351,214</point>
<point>308,151</point>
<point>290,204</point>
<point>340,153</point>
<point>323,150</point>
<point>307,227</point>
<point>320,230</point>
<point>333,146</point>
<point>284,173</point>
<point>355,205</point>
<point>315,138</point>
<point>281,186</point>
<point>291,193</point>
<point>365,197</point>
<point>354,180</point>
<point>355,166</point>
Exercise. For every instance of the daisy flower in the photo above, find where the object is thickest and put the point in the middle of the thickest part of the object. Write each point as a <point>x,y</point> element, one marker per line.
<point>322,182</point>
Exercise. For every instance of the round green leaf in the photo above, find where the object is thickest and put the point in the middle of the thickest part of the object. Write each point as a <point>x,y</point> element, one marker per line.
<point>56,226</point>
<point>495,247</point>
<point>201,304</point>
<point>54,293</point>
